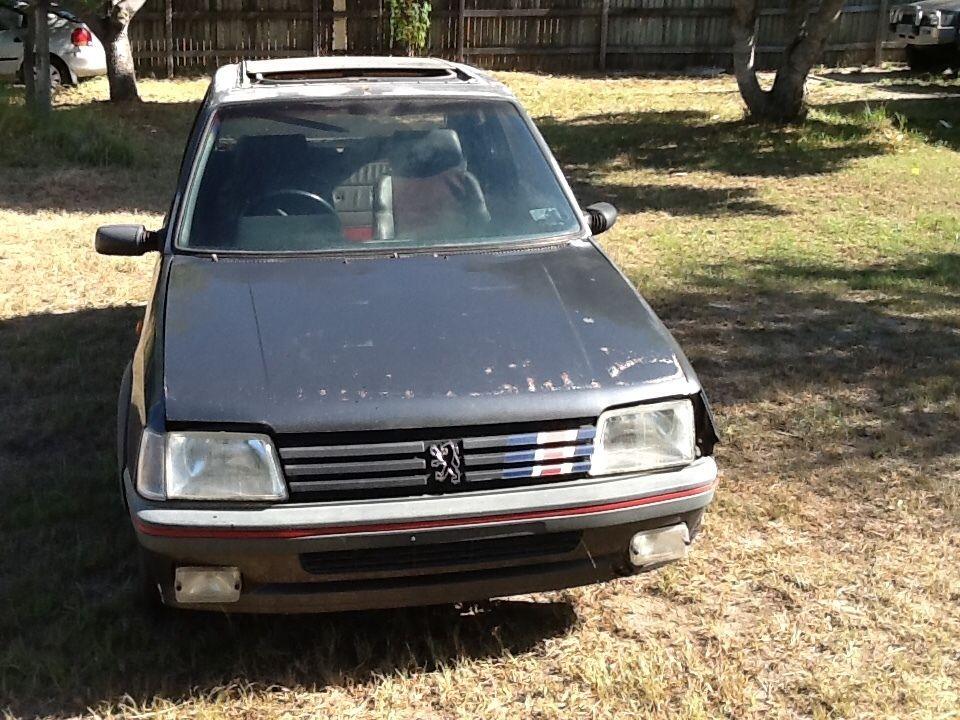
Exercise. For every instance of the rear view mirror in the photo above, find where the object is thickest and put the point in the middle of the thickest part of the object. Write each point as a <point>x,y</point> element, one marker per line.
<point>603,216</point>
<point>125,240</point>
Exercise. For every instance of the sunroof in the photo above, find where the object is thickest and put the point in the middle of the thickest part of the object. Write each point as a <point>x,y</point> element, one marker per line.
<point>367,73</point>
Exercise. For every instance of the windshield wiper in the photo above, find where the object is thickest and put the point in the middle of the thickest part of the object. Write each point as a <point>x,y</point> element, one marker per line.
<point>302,122</point>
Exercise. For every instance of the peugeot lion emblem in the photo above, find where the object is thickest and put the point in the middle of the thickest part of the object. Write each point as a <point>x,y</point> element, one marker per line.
<point>445,461</point>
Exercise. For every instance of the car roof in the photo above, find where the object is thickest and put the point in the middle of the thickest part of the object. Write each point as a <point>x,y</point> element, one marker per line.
<point>21,6</point>
<point>350,76</point>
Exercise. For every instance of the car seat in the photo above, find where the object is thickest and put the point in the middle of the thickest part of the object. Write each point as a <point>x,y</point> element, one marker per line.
<point>429,192</point>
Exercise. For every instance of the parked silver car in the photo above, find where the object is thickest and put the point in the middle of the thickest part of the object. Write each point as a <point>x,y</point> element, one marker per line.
<point>75,52</point>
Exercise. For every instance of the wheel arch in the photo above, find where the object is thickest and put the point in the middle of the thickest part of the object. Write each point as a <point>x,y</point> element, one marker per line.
<point>71,78</point>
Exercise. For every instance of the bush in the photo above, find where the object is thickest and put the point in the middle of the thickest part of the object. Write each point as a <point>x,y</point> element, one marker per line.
<point>409,25</point>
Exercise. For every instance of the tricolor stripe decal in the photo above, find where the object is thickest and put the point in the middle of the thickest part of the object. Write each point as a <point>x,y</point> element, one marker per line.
<point>531,456</point>
<point>555,436</point>
<point>545,470</point>
<point>572,448</point>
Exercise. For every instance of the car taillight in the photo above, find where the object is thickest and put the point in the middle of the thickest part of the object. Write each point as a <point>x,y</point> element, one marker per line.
<point>81,36</point>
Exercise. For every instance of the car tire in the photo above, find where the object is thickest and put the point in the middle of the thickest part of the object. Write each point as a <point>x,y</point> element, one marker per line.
<point>148,593</point>
<point>923,59</point>
<point>123,408</point>
<point>59,73</point>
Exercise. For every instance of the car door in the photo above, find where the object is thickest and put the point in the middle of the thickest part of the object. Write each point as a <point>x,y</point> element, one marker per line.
<point>11,41</point>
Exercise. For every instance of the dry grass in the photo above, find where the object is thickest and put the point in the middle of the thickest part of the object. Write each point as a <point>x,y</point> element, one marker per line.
<point>813,275</point>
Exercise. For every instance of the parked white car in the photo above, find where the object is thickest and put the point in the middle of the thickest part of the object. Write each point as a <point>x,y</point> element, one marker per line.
<point>75,52</point>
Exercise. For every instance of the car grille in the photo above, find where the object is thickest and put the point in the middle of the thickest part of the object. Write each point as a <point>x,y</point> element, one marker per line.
<point>392,464</point>
<point>441,555</point>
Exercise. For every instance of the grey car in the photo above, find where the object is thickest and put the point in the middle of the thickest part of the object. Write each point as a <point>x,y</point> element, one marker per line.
<point>386,363</point>
<point>930,31</point>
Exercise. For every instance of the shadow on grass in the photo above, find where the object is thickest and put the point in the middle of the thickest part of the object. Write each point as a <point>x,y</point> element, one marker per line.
<point>877,347</point>
<point>689,140</point>
<point>72,634</point>
<point>676,199</point>
<point>681,142</point>
<point>870,77</point>
<point>900,81</point>
<point>917,276</point>
<point>935,120</point>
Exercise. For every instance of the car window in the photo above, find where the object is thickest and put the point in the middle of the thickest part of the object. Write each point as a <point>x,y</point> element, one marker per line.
<point>9,19</point>
<point>371,174</point>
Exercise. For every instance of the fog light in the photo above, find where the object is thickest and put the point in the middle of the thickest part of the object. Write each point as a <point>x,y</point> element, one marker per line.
<point>652,547</point>
<point>207,584</point>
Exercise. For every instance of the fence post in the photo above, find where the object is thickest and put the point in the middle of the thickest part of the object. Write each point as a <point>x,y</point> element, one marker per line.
<point>168,34</point>
<point>315,26</point>
<point>604,32</point>
<point>382,29</point>
<point>882,22</point>
<point>461,30</point>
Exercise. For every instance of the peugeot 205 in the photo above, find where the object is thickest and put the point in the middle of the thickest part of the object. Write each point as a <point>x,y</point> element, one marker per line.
<point>385,362</point>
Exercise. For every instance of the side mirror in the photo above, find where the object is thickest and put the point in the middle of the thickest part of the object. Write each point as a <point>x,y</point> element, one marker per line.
<point>603,216</point>
<point>126,240</point>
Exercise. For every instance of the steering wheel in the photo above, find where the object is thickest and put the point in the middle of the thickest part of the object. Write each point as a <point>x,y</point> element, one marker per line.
<point>290,202</point>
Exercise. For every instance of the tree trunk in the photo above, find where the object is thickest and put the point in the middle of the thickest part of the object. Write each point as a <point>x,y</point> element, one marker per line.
<point>784,102</point>
<point>745,20</point>
<point>112,27</point>
<point>121,74</point>
<point>29,67</point>
<point>36,58</point>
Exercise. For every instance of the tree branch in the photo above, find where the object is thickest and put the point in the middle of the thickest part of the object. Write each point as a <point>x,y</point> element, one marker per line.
<point>745,16</point>
<point>814,36</point>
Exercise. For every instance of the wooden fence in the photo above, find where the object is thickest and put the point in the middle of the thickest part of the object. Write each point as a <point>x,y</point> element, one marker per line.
<point>189,36</point>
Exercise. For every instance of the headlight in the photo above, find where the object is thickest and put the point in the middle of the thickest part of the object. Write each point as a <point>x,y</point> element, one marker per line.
<point>645,437</point>
<point>150,466</point>
<point>209,466</point>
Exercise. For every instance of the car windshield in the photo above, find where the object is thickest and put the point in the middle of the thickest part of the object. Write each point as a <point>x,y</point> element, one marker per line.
<point>378,174</point>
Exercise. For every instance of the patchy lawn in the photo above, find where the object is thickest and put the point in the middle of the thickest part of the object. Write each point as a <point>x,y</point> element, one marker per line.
<point>813,276</point>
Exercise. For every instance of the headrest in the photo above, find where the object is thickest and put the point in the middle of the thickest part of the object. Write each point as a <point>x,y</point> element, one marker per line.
<point>425,154</point>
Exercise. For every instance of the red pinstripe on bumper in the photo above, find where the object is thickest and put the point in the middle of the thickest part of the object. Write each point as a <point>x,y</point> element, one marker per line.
<point>294,533</point>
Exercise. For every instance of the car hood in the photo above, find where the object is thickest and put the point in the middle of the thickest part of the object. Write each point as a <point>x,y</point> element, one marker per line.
<point>320,344</point>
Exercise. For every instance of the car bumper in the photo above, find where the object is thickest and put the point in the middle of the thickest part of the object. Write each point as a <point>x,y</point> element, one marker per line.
<point>86,61</point>
<point>925,35</point>
<point>419,551</point>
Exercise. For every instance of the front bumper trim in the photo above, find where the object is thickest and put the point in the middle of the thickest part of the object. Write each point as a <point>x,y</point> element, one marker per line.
<point>180,531</point>
<point>926,35</point>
